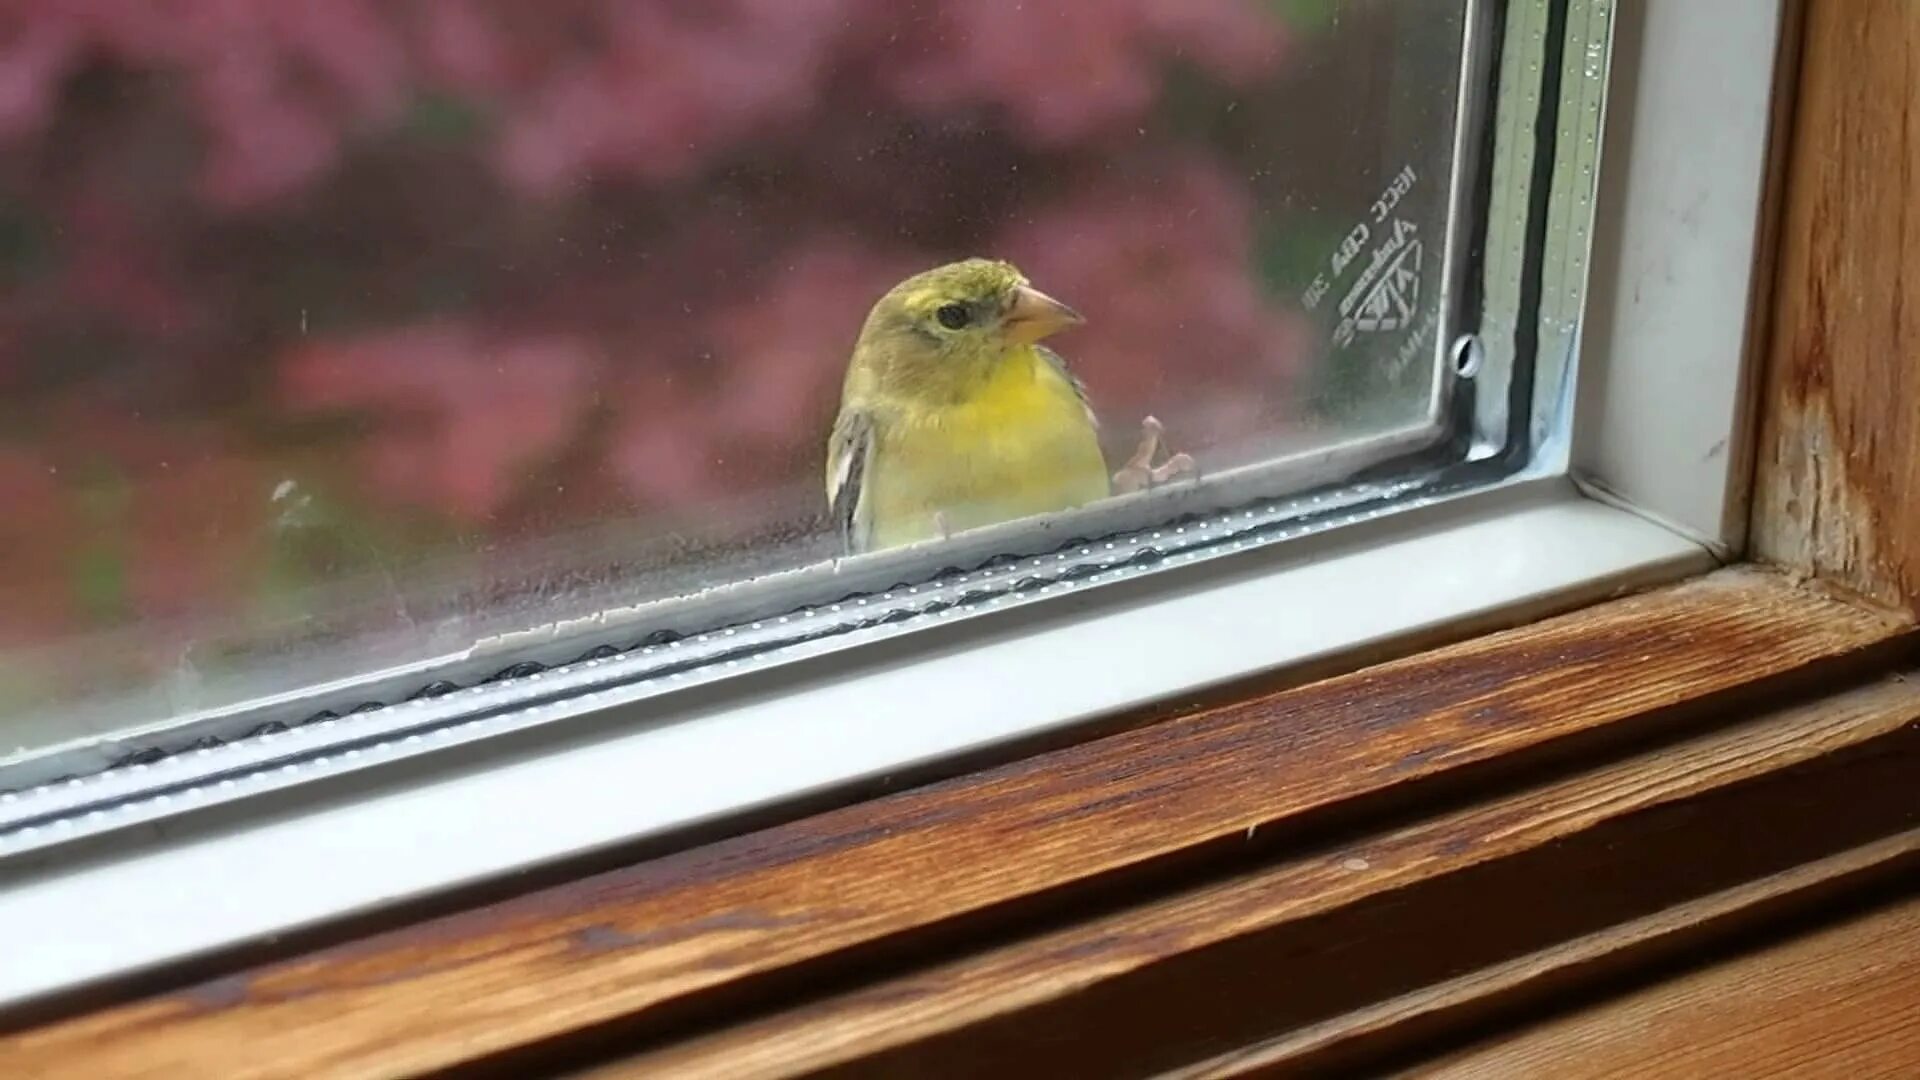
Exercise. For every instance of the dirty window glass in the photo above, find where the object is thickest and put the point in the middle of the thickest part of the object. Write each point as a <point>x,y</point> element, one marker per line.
<point>344,336</point>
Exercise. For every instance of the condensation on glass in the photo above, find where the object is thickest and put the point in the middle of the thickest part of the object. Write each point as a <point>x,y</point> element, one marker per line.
<point>378,336</point>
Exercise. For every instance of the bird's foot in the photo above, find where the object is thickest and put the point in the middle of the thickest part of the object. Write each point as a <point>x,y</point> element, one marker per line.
<point>1140,473</point>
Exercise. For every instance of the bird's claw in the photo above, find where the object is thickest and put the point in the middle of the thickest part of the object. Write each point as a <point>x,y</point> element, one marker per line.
<point>1140,473</point>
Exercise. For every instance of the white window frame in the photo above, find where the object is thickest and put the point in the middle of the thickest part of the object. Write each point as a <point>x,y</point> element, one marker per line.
<point>1648,490</point>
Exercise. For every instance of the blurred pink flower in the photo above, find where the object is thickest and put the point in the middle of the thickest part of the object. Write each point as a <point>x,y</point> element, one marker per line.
<point>647,88</point>
<point>457,419</point>
<point>277,84</point>
<point>468,46</point>
<point>1067,70</point>
<point>36,54</point>
<point>671,87</point>
<point>663,451</point>
<point>281,84</point>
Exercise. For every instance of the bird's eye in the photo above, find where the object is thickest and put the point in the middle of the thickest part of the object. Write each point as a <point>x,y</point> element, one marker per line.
<point>952,316</point>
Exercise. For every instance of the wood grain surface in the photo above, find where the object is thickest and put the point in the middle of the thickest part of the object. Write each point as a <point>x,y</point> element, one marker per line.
<point>1652,943</point>
<point>1839,1003</point>
<point>699,937</point>
<point>1837,474</point>
<point>1307,947</point>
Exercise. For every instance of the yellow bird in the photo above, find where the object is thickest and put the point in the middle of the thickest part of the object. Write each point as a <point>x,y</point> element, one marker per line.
<point>953,416</point>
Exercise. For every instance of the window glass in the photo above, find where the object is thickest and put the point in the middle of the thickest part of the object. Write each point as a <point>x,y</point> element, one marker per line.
<point>344,336</point>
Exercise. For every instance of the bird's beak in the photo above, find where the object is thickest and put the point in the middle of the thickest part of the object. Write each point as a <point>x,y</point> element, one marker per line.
<point>1035,315</point>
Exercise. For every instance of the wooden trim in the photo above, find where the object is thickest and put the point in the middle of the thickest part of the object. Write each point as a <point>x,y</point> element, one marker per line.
<point>1342,953</point>
<point>1839,1000</point>
<point>1837,484</point>
<point>853,897</point>
<point>1524,985</point>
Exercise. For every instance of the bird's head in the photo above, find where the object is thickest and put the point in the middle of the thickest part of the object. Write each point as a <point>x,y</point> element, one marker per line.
<point>946,327</point>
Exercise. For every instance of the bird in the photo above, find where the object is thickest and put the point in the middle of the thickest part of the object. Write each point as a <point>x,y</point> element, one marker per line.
<point>954,416</point>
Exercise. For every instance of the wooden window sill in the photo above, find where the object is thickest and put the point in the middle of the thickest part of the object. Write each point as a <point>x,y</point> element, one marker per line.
<point>1835,1000</point>
<point>1324,874</point>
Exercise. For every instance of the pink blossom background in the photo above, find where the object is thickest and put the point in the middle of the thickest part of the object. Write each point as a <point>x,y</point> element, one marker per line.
<point>295,291</point>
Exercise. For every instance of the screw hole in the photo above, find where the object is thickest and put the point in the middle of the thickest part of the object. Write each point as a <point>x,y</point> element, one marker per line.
<point>1467,355</point>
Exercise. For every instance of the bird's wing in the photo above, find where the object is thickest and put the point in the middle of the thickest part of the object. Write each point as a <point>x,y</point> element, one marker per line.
<point>1059,364</point>
<point>849,463</point>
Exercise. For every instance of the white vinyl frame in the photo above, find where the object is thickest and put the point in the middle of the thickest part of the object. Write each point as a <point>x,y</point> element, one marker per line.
<point>1661,426</point>
<point>1660,389</point>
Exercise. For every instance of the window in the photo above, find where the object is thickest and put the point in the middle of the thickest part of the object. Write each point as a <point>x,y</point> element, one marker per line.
<point>395,377</point>
<point>364,337</point>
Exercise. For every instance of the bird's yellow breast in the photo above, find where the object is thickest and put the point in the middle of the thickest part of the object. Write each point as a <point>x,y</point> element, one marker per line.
<point>1021,443</point>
